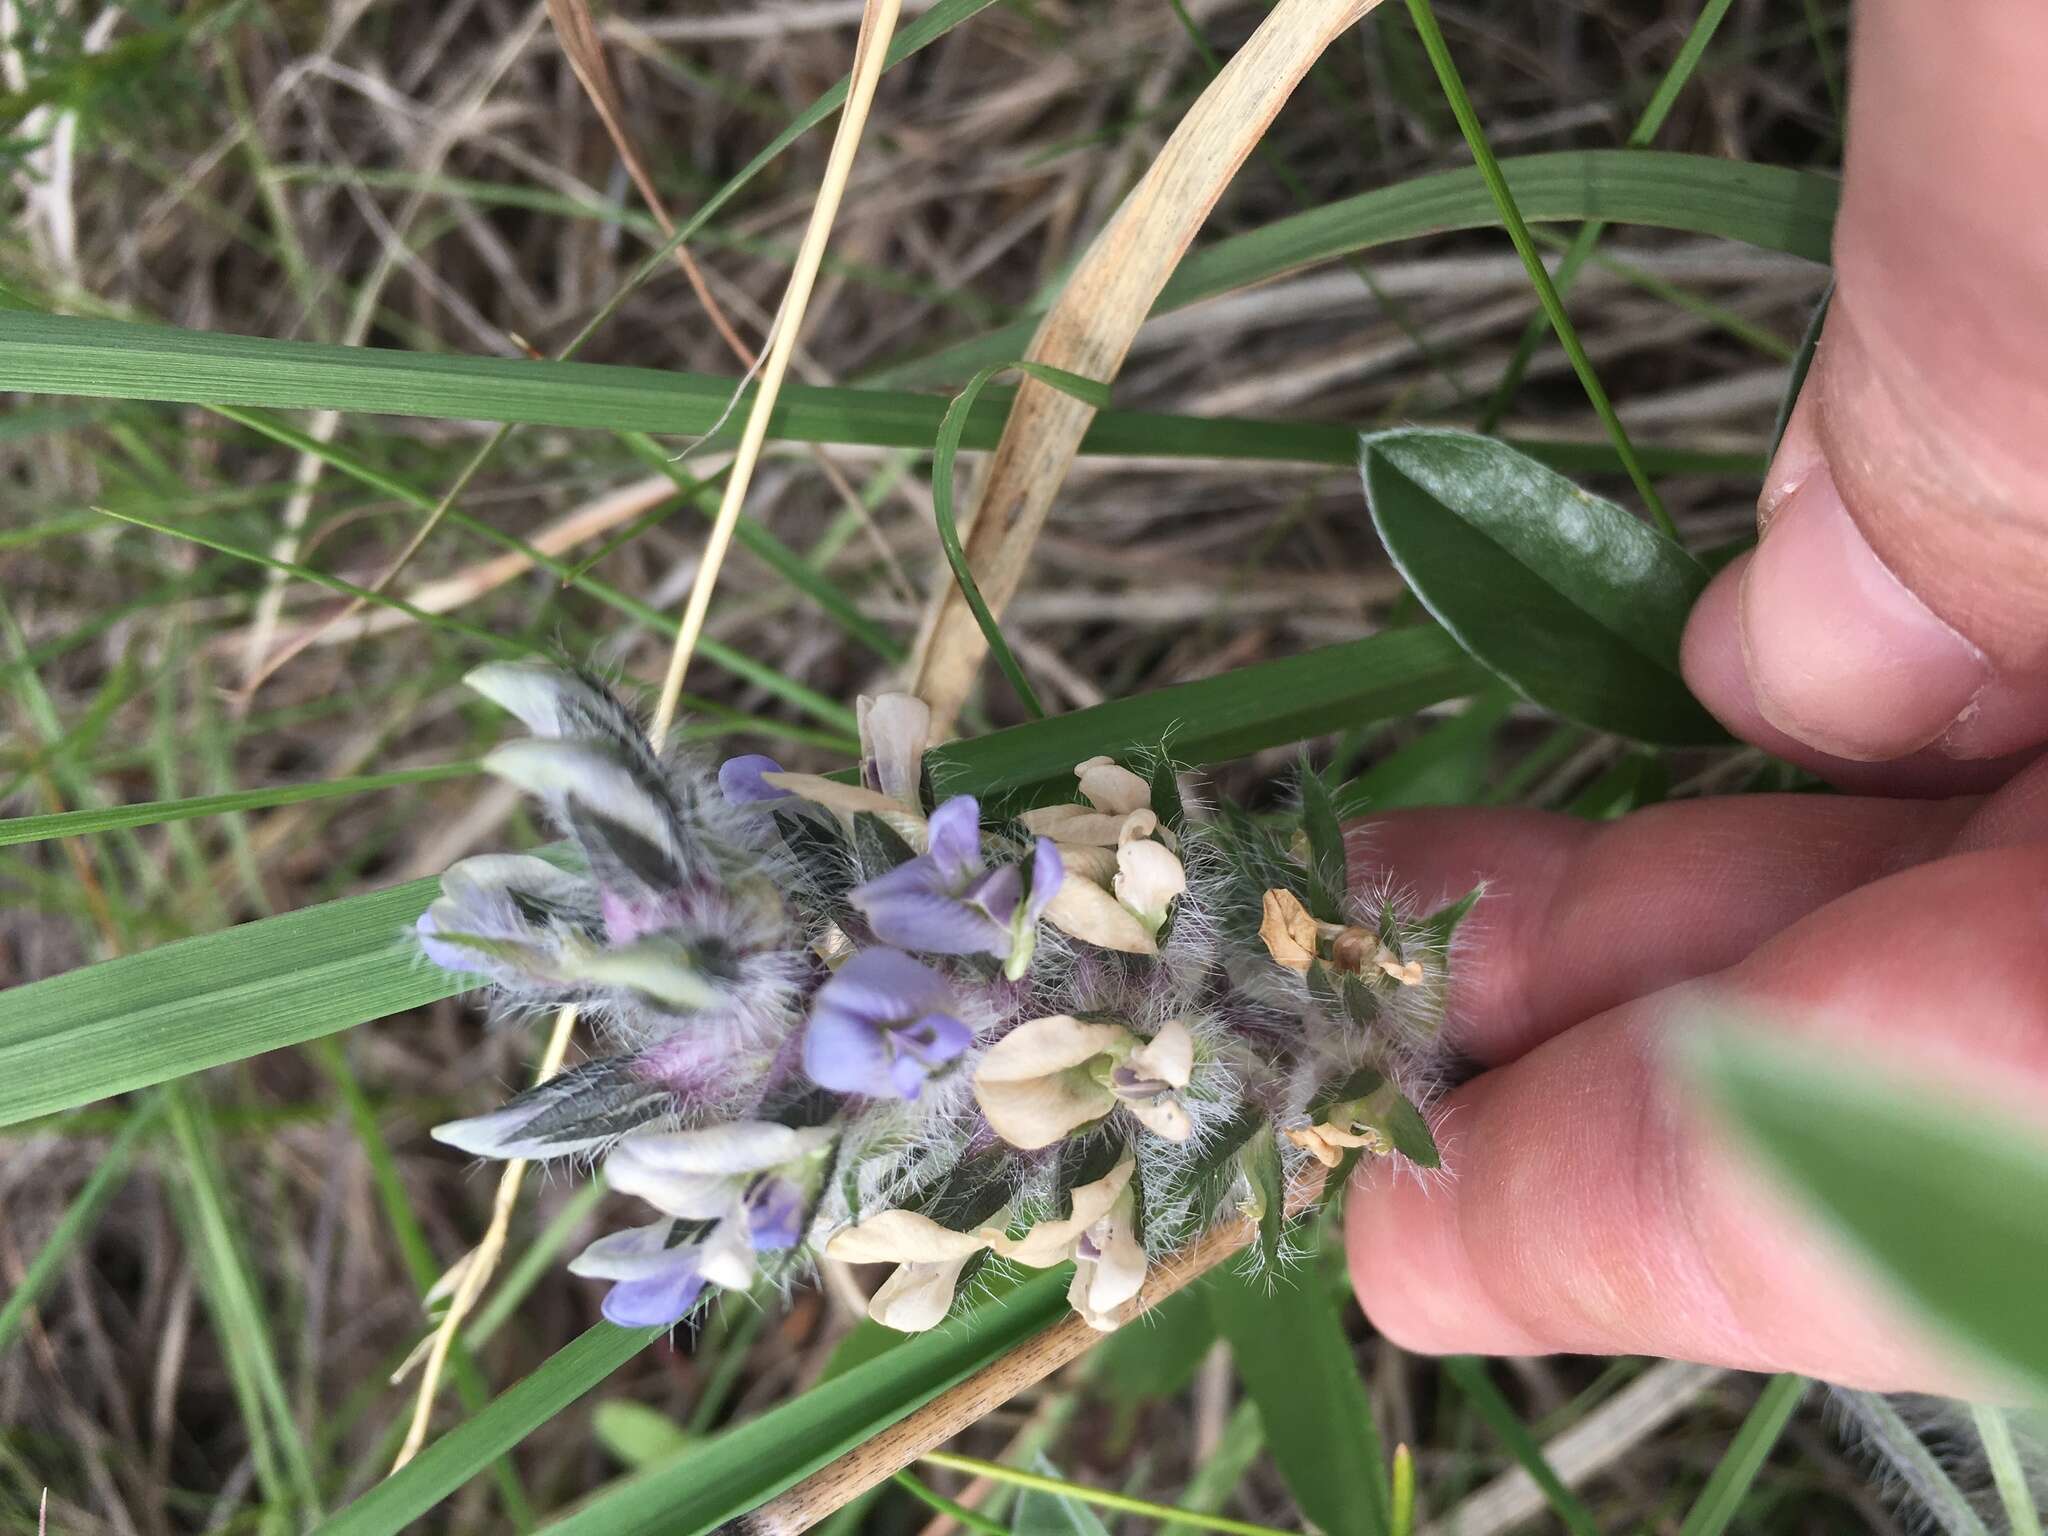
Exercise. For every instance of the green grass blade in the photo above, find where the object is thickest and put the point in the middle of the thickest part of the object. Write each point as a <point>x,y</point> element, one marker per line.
<point>1291,1353</point>
<point>457,1456</point>
<point>1721,1500</point>
<point>1661,100</point>
<point>2007,1472</point>
<point>238,1310</point>
<point>1539,276</point>
<point>34,829</point>
<point>76,1221</point>
<point>1770,207</point>
<point>1471,1378</point>
<point>945,449</point>
<point>746,1466</point>
<point>1102,1498</point>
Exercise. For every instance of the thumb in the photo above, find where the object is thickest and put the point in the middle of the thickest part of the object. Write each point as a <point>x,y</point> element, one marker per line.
<point>1898,598</point>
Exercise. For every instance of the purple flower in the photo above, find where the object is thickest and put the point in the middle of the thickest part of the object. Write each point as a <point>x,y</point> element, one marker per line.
<point>948,902</point>
<point>661,1298</point>
<point>880,1026</point>
<point>739,778</point>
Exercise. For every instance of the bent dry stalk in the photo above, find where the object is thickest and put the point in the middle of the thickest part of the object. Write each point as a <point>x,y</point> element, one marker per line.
<point>839,1018</point>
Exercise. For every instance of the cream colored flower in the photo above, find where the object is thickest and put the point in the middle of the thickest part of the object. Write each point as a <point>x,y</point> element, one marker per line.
<point>1050,1076</point>
<point>1287,929</point>
<point>1109,1265</point>
<point>1076,826</point>
<point>928,1260</point>
<point>1053,1241</point>
<point>1327,1142</point>
<point>1081,908</point>
<point>1111,788</point>
<point>894,731</point>
<point>1036,1083</point>
<point>1148,882</point>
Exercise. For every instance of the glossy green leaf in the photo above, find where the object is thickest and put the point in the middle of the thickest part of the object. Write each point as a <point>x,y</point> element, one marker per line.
<point>1297,1365</point>
<point>1945,1195</point>
<point>1565,596</point>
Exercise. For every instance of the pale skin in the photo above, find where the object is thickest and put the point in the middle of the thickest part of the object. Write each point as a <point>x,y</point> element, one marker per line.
<point>1891,633</point>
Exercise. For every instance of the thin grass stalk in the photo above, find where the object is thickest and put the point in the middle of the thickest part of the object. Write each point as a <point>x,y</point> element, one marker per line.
<point>878,24</point>
<point>1539,276</point>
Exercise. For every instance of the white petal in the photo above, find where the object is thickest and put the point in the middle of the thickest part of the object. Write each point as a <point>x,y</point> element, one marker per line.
<point>894,730</point>
<point>1083,910</point>
<point>527,689</point>
<point>1102,1285</point>
<point>1168,1056</point>
<point>1076,824</point>
<point>728,1256</point>
<point>1040,1110</point>
<point>850,799</point>
<point>739,1146</point>
<point>1052,1242</point>
<point>1111,788</point>
<point>685,1196</point>
<point>1050,1044</point>
<point>633,1254</point>
<point>917,1296</point>
<point>547,768</point>
<point>1148,881</point>
<point>1165,1117</point>
<point>498,1135</point>
<point>491,872</point>
<point>902,1237</point>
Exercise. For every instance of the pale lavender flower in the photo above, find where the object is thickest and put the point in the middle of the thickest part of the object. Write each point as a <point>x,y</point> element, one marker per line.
<point>739,779</point>
<point>881,1025</point>
<point>660,1271</point>
<point>948,902</point>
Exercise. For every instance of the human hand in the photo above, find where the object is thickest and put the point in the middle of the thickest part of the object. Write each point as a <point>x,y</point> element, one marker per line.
<point>1890,632</point>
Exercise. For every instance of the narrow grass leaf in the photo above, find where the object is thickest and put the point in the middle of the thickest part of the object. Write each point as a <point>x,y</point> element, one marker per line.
<point>749,1465</point>
<point>944,451</point>
<point>1765,206</point>
<point>76,1221</point>
<point>239,1317</point>
<point>1043,1513</point>
<point>1500,1416</point>
<point>457,1456</point>
<point>32,829</point>
<point>1297,1365</point>
<point>1735,1473</point>
<point>1564,595</point>
<point>1943,1194</point>
<point>2008,1471</point>
<point>1539,275</point>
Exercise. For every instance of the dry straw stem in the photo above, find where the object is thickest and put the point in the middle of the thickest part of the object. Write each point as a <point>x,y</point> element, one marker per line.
<point>878,24</point>
<point>873,1461</point>
<point>1090,329</point>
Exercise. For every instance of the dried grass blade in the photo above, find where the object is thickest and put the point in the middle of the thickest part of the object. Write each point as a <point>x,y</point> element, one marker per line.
<point>1089,330</point>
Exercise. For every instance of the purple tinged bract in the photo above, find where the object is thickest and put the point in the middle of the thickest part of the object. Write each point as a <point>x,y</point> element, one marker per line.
<point>881,1025</point>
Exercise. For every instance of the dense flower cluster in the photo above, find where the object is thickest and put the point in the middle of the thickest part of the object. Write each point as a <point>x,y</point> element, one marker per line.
<point>854,1018</point>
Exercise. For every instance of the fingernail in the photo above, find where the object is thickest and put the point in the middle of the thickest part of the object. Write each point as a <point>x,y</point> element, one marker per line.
<point>1839,653</point>
<point>1799,455</point>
